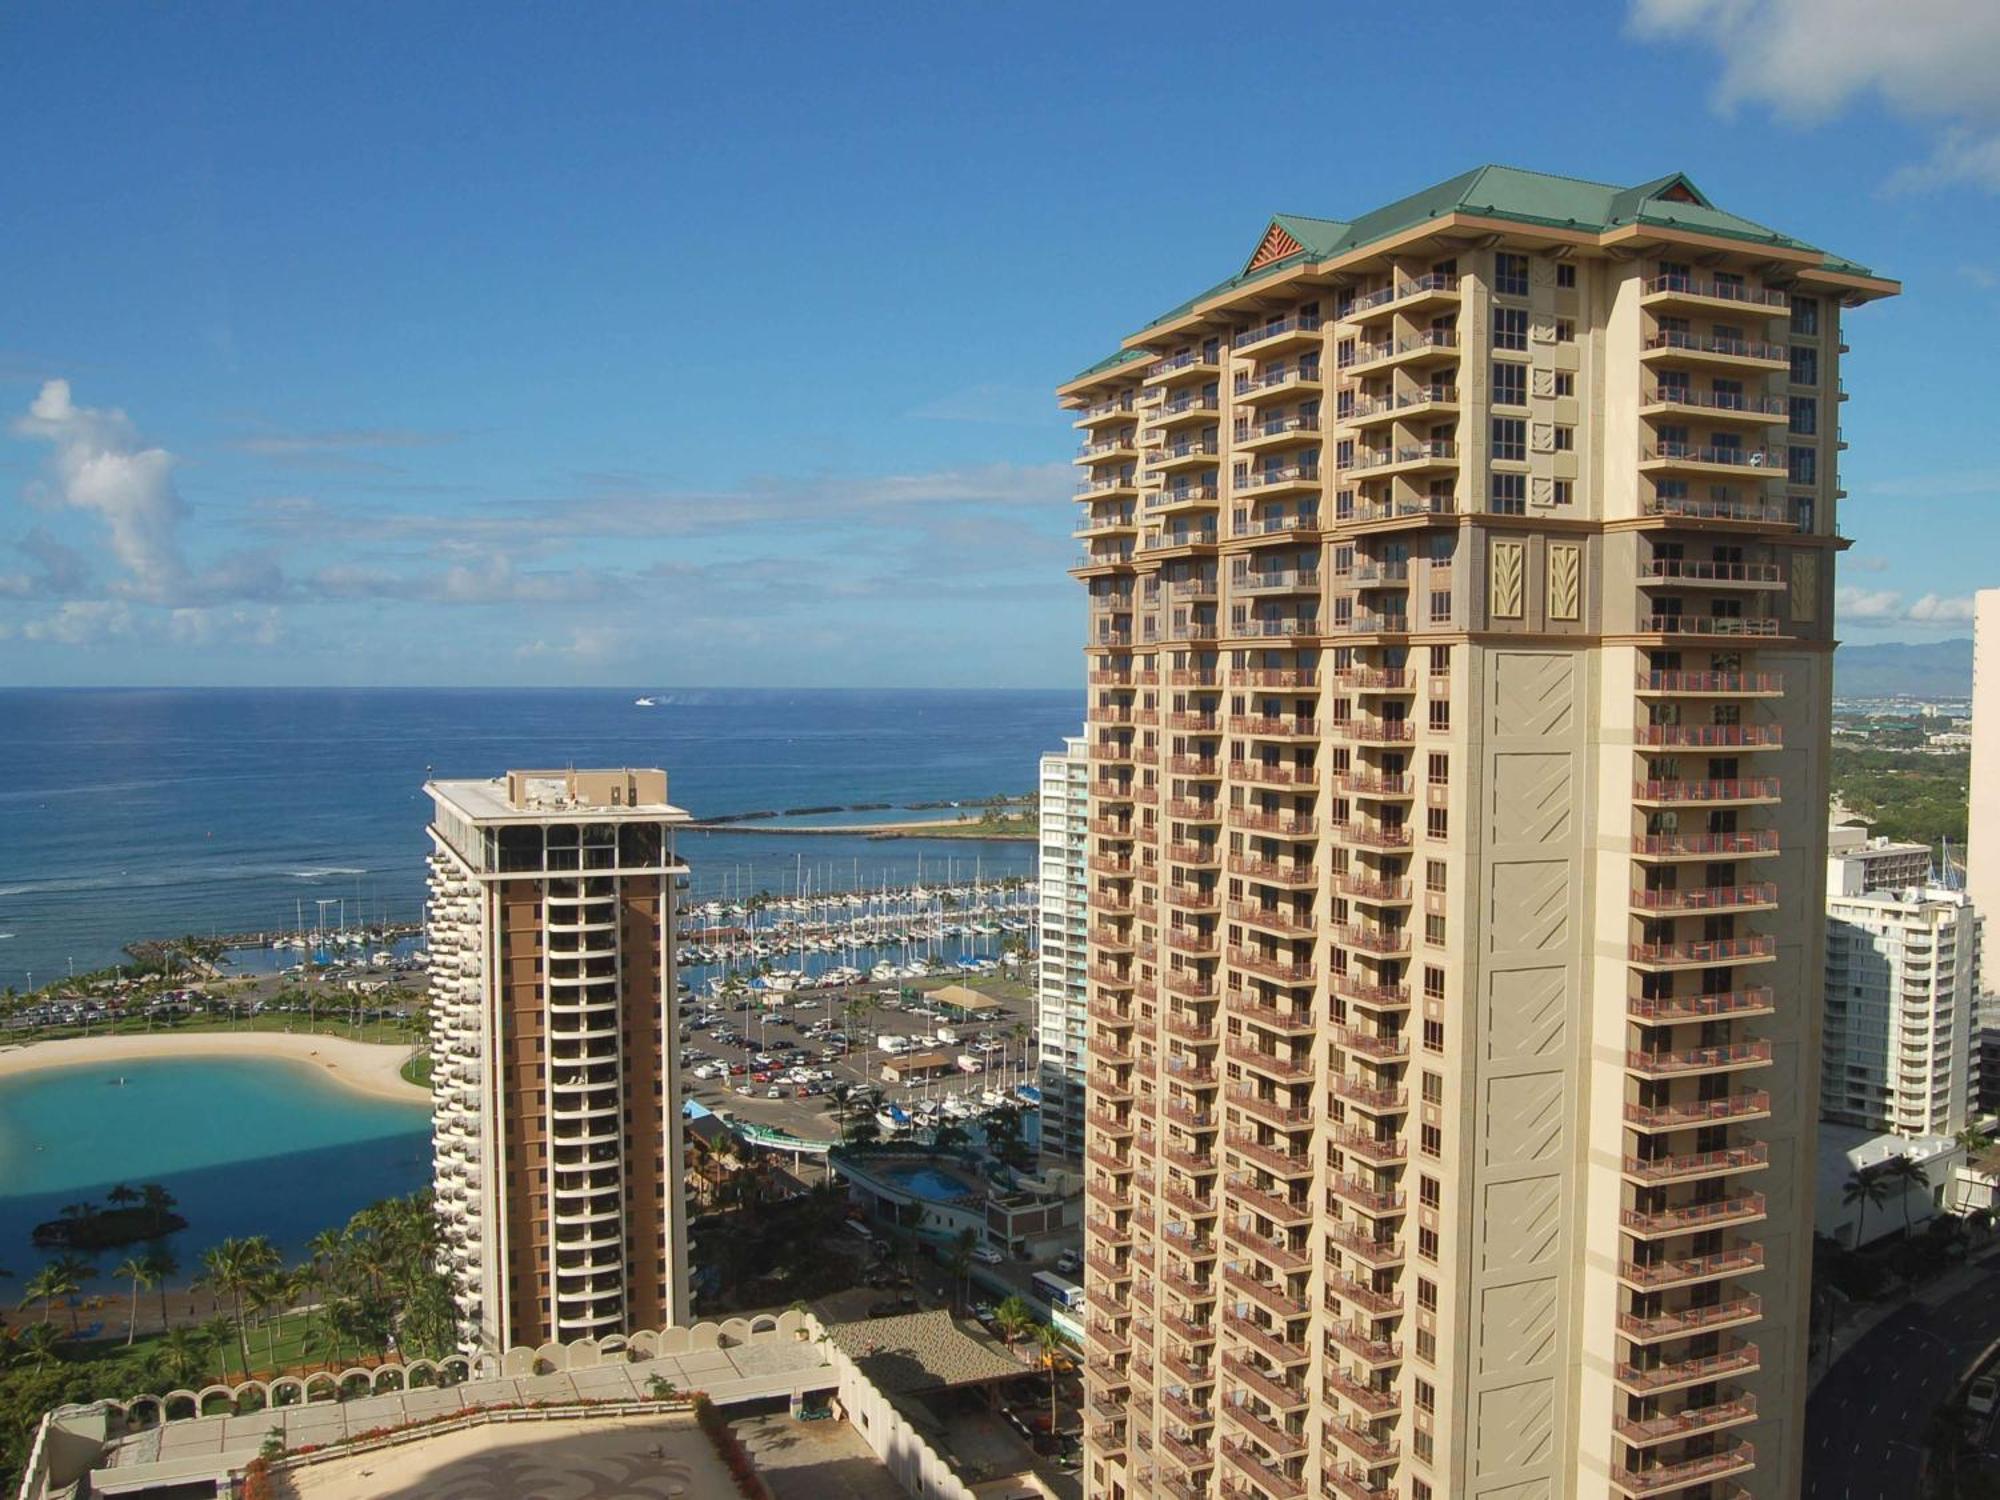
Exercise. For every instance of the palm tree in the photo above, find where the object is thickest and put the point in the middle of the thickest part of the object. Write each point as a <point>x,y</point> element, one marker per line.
<point>45,1286</point>
<point>1906,1176</point>
<point>134,1268</point>
<point>1864,1186</point>
<point>77,1271</point>
<point>1048,1345</point>
<point>215,1336</point>
<point>1015,1317</point>
<point>121,1195</point>
<point>181,1352</point>
<point>41,1343</point>
<point>228,1270</point>
<point>161,1265</point>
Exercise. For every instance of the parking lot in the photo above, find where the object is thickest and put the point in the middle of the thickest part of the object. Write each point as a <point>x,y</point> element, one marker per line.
<point>787,1053</point>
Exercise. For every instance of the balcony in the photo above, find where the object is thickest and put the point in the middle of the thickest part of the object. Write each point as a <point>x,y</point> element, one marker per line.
<point>1358,1440</point>
<point>1657,1479</point>
<point>1282,824</point>
<point>1711,459</point>
<point>1730,297</point>
<point>1680,1322</point>
<point>1670,1063</point>
<point>1268,1477</point>
<point>1670,1010</point>
<point>1185,408</point>
<point>1188,364</point>
<point>1285,1212</point>
<point>1407,458</point>
<point>1272,1111</point>
<point>1368,1196</point>
<point>1369,937</point>
<point>1354,1483</point>
<point>1184,453</point>
<point>1733,627</point>
<point>1280,382</point>
<point>1660,1275</point>
<point>1704,954</point>
<point>1272,431</point>
<point>1693,1218</point>
<point>1712,684</point>
<point>1359,1340</point>
<point>1362,1294</point>
<point>1275,580</point>
<point>1279,479</point>
<point>1271,773</point>
<point>1274,727</point>
<point>1748,1105</point>
<point>1672,347</point>
<point>1708,791</point>
<point>1684,510</point>
<point>1280,333</point>
<point>1375,996</point>
<point>1711,736</point>
<point>1304,527</point>
<point>1267,1295</point>
<point>1368,888</point>
<point>1730,1159</point>
<point>1732,1411</point>
<point>1292,1023</point>
<point>1279,1162</point>
<point>1734,1358</point>
<point>1412,349</point>
<point>1271,918</point>
<point>1757,896</point>
<point>1369,1148</point>
<point>1272,1391</point>
<point>1680,402</point>
<point>1283,1352</point>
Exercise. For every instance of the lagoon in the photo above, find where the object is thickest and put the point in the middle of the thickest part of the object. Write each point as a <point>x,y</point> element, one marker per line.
<point>247,1146</point>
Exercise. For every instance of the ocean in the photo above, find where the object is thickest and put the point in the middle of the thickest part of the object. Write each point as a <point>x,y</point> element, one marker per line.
<point>133,813</point>
<point>246,1146</point>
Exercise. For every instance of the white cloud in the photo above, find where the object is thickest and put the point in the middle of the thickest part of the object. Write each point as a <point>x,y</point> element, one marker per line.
<point>1931,60</point>
<point>1886,607</point>
<point>101,467</point>
<point>240,625</point>
<point>82,622</point>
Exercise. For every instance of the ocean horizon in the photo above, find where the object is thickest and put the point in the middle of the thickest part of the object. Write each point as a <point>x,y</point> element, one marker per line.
<point>129,813</point>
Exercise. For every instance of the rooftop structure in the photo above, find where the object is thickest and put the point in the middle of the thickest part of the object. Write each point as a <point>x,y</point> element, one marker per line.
<point>557,1131</point>
<point>1458,639</point>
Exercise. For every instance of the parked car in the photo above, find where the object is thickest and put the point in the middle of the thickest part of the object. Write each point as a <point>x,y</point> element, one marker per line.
<point>986,1255</point>
<point>1983,1396</point>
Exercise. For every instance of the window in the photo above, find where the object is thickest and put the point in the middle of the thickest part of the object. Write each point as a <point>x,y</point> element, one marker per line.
<point>1427,1299</point>
<point>1805,415</point>
<point>1441,607</point>
<point>1440,711</point>
<point>1429,1192</point>
<point>1805,365</point>
<point>1565,330</point>
<point>1427,1351</point>
<point>1420,1444</point>
<point>1434,871</point>
<point>1440,659</point>
<point>1565,439</point>
<point>1434,1036</point>
<point>1510,328</point>
<point>1563,492</point>
<point>1510,274</point>
<point>1510,439</point>
<point>1805,316</point>
<point>1433,1087</point>
<point>1565,274</point>
<point>1565,383</point>
<point>1433,982</point>
<point>1435,824</point>
<point>1510,384</point>
<point>1802,465</point>
<point>1427,1244</point>
<point>1434,929</point>
<point>1430,1140</point>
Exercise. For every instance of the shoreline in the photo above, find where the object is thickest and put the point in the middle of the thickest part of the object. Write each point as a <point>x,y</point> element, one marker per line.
<point>371,1068</point>
<point>948,828</point>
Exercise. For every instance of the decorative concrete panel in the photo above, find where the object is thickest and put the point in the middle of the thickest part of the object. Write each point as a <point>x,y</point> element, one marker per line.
<point>1533,1489</point>
<point>1528,906</point>
<point>1509,579</point>
<point>1526,1011</point>
<point>1534,692</point>
<point>1523,1223</point>
<point>1804,588</point>
<point>1531,798</point>
<point>1517,1326</point>
<point>1514,1426</point>
<point>1565,582</point>
<point>1524,1119</point>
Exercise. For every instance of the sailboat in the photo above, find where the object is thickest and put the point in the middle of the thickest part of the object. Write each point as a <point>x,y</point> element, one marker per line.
<point>644,703</point>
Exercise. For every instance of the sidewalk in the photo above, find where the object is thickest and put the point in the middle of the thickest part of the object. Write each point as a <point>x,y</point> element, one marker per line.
<point>1948,1287</point>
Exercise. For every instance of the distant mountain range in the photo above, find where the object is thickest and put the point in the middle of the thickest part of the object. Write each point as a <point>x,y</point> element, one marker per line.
<point>1934,669</point>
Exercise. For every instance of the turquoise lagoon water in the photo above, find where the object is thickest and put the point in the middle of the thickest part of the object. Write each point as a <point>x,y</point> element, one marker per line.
<point>247,1146</point>
<point>930,1182</point>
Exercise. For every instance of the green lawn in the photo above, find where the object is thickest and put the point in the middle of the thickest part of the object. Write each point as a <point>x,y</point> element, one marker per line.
<point>275,1345</point>
<point>418,1070</point>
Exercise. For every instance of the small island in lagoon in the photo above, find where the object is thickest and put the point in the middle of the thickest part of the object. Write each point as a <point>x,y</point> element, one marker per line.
<point>135,1215</point>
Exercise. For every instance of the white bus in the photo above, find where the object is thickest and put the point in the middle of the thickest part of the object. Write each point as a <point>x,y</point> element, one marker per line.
<point>1058,1291</point>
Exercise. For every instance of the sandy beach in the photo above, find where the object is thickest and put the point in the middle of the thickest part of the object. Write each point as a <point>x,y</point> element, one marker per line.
<point>366,1067</point>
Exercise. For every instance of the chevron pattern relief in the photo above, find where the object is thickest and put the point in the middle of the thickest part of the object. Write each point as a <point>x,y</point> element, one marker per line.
<point>1805,586</point>
<point>1534,693</point>
<point>1509,579</point>
<point>1515,1427</point>
<point>1523,1223</point>
<point>1531,798</point>
<point>1524,1119</point>
<point>1565,582</point>
<point>1533,1489</point>
<point>1526,1010</point>
<point>1529,906</point>
<point>1517,1326</point>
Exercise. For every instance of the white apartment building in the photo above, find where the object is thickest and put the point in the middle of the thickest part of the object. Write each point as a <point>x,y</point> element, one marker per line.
<point>1063,881</point>
<point>1898,1050</point>
<point>1982,848</point>
<point>1880,864</point>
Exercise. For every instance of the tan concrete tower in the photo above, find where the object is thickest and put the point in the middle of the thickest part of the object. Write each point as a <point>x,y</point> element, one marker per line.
<point>1460,610</point>
<point>557,1126</point>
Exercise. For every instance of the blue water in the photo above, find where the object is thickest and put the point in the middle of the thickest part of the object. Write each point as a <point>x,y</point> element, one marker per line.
<point>929,1182</point>
<point>246,1146</point>
<point>130,813</point>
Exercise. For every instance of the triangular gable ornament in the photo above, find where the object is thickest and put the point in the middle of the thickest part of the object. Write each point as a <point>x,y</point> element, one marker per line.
<point>1277,244</point>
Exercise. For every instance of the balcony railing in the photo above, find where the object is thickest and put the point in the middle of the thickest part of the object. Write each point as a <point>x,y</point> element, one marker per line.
<point>1721,291</point>
<point>1732,348</point>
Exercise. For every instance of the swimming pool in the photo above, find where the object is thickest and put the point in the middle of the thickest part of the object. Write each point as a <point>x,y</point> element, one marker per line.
<point>929,1182</point>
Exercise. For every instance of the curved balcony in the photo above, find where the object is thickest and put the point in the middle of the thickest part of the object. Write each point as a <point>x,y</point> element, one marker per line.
<point>1676,684</point>
<point>1732,1410</point>
<point>1707,791</point>
<point>1659,1170</point>
<point>1664,1275</point>
<point>1751,843</point>
<point>1650,1379</point>
<point>1672,1063</point>
<point>1682,1115</point>
<point>1671,1010</point>
<point>1710,953</point>
<point>1680,1474</point>
<point>1692,1218</point>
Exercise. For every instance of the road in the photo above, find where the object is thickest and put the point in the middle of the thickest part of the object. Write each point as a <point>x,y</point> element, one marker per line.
<point>1865,1423</point>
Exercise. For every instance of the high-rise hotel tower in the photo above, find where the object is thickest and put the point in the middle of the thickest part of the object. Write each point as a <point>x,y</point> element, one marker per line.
<point>556,1115</point>
<point>1460,609</point>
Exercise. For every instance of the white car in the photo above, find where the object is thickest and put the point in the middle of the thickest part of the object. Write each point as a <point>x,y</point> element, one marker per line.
<point>1983,1396</point>
<point>986,1255</point>
<point>744,1088</point>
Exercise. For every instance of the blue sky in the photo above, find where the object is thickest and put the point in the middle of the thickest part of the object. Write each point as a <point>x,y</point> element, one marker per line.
<point>715,344</point>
